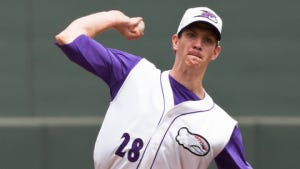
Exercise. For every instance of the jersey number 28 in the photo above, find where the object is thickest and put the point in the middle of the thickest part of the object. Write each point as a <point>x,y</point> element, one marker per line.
<point>133,153</point>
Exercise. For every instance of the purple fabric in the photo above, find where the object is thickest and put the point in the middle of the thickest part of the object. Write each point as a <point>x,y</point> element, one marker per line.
<point>181,93</point>
<point>113,66</point>
<point>232,155</point>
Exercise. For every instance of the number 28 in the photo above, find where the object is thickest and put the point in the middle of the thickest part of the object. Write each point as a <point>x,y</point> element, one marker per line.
<point>133,153</point>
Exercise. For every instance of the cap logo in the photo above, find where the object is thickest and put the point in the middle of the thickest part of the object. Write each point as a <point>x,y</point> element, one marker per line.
<point>208,15</point>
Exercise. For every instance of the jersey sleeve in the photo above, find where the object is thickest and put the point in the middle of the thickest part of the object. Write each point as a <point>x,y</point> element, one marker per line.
<point>233,156</point>
<point>111,65</point>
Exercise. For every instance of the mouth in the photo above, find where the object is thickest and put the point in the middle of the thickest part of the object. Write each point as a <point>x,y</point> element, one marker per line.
<point>195,54</point>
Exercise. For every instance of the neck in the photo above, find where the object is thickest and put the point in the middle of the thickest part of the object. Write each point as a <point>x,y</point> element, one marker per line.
<point>191,79</point>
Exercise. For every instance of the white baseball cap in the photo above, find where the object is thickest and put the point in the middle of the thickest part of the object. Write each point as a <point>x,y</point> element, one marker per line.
<point>201,14</point>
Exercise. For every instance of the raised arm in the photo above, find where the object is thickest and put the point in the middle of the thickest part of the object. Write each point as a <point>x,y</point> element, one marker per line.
<point>96,23</point>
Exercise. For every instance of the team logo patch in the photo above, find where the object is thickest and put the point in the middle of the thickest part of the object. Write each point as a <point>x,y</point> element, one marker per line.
<point>195,143</point>
<point>208,15</point>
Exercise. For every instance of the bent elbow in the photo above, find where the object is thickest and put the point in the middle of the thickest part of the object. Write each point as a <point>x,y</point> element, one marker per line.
<point>61,38</point>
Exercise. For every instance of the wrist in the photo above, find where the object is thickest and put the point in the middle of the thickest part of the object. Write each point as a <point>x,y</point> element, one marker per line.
<point>118,18</point>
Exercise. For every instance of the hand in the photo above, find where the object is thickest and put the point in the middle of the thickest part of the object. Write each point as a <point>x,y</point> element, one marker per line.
<point>129,28</point>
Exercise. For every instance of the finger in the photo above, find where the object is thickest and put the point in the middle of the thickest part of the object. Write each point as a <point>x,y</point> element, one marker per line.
<point>136,20</point>
<point>134,32</point>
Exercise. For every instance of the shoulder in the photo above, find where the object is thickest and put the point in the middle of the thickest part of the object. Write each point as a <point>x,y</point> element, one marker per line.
<point>144,69</point>
<point>223,117</point>
<point>219,112</point>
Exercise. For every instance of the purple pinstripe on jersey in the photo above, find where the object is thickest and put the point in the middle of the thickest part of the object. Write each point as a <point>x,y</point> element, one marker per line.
<point>184,114</point>
<point>162,114</point>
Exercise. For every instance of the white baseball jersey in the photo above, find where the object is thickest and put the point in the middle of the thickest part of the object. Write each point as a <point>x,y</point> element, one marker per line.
<point>143,129</point>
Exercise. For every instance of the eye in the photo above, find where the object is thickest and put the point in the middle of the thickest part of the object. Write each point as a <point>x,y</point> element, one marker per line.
<point>208,40</point>
<point>191,34</point>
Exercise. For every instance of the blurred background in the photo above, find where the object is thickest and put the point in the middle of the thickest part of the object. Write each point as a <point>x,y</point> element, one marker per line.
<point>51,109</point>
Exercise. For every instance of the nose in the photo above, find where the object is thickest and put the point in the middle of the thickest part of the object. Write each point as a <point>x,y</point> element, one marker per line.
<point>198,44</point>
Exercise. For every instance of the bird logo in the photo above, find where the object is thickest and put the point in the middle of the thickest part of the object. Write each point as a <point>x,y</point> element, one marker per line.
<point>195,143</point>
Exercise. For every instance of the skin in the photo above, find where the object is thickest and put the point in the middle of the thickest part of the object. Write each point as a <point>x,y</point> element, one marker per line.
<point>194,50</point>
<point>195,47</point>
<point>94,24</point>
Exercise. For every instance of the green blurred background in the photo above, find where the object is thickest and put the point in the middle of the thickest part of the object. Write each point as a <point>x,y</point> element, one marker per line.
<point>51,110</point>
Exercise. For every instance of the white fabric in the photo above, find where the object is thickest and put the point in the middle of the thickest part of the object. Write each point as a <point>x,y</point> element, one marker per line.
<point>144,110</point>
<point>203,14</point>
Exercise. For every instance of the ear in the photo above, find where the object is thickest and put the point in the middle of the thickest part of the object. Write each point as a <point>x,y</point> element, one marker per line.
<point>216,53</point>
<point>175,42</point>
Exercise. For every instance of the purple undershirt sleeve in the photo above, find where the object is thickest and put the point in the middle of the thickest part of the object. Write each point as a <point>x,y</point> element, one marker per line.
<point>111,65</point>
<point>233,155</point>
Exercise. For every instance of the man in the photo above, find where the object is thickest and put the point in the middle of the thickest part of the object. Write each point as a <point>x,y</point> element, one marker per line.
<point>159,120</point>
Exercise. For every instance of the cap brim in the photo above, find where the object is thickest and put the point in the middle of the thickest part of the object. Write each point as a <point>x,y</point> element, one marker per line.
<point>214,28</point>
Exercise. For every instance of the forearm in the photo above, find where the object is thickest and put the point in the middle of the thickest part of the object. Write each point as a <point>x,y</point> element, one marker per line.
<point>92,25</point>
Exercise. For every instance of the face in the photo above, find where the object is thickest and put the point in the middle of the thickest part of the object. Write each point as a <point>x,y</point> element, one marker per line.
<point>196,46</point>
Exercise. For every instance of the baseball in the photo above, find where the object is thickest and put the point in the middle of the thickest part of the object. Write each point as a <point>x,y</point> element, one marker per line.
<point>141,26</point>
